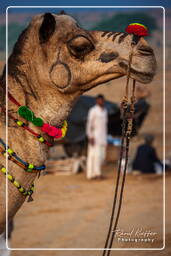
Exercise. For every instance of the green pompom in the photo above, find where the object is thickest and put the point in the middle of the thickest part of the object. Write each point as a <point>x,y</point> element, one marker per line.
<point>38,122</point>
<point>26,113</point>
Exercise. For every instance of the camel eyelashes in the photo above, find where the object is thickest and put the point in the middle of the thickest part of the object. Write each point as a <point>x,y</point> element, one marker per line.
<point>47,28</point>
<point>79,46</point>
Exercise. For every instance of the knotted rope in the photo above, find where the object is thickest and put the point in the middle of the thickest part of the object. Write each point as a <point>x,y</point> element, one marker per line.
<point>137,30</point>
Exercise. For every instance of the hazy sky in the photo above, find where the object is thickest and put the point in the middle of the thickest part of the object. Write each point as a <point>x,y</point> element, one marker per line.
<point>5,3</point>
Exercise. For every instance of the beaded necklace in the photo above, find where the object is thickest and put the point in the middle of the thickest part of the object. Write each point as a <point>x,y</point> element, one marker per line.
<point>20,188</point>
<point>16,159</point>
<point>28,115</point>
<point>25,127</point>
<point>52,131</point>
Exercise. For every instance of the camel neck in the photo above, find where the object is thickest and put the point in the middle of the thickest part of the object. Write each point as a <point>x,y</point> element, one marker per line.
<point>47,102</point>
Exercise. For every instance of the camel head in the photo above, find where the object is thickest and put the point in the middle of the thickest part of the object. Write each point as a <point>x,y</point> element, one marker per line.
<point>57,56</point>
<point>71,58</point>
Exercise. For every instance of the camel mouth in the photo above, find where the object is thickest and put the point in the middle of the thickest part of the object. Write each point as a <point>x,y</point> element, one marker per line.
<point>140,76</point>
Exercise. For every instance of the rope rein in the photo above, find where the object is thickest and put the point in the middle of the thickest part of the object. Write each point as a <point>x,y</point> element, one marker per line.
<point>127,124</point>
<point>137,30</point>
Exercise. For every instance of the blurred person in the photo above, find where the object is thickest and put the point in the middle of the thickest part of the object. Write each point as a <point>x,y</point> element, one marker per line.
<point>97,138</point>
<point>146,159</point>
<point>142,105</point>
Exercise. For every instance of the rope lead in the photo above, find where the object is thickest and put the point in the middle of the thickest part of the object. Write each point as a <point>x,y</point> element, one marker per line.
<point>127,125</point>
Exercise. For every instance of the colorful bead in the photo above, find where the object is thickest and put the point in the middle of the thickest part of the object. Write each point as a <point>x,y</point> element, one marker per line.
<point>63,132</point>
<point>16,183</point>
<point>3,170</point>
<point>41,139</point>
<point>21,189</point>
<point>9,177</point>
<point>30,168</point>
<point>10,151</point>
<point>65,123</point>
<point>20,123</point>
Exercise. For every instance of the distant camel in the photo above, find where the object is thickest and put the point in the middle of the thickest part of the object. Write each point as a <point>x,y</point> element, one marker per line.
<point>53,62</point>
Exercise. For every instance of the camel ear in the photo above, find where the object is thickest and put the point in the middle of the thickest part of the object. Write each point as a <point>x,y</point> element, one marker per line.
<point>62,12</point>
<point>47,28</point>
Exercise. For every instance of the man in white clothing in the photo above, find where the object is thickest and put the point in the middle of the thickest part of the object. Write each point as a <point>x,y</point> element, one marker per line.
<point>97,138</point>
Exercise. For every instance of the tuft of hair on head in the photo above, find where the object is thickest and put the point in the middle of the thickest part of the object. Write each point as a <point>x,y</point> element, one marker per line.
<point>149,138</point>
<point>62,12</point>
<point>100,96</point>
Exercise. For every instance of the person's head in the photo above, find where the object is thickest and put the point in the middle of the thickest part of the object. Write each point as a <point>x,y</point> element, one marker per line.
<point>149,139</point>
<point>100,100</point>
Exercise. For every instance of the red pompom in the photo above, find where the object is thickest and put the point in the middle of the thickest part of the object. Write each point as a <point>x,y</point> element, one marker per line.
<point>45,128</point>
<point>59,134</point>
<point>137,29</point>
<point>52,131</point>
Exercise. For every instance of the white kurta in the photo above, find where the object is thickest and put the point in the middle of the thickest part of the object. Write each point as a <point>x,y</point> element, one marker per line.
<point>96,129</point>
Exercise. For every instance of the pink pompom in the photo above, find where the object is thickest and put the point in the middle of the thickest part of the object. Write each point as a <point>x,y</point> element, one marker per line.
<point>46,128</point>
<point>59,135</point>
<point>52,131</point>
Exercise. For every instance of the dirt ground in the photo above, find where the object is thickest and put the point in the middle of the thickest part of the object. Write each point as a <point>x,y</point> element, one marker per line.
<point>71,212</point>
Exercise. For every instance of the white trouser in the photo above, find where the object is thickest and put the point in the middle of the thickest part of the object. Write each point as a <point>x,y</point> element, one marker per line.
<point>95,158</point>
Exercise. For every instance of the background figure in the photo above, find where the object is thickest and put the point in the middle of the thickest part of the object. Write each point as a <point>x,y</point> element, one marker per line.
<point>142,105</point>
<point>146,159</point>
<point>97,138</point>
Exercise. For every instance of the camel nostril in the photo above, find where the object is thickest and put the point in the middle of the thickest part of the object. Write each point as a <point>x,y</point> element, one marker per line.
<point>145,50</point>
<point>107,57</point>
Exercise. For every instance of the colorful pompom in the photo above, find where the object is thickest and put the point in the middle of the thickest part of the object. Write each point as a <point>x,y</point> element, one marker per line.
<point>37,121</point>
<point>46,128</point>
<point>51,130</point>
<point>26,113</point>
<point>137,29</point>
<point>59,134</point>
<point>54,131</point>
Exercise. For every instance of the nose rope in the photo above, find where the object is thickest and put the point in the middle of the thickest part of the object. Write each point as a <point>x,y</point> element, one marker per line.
<point>124,144</point>
<point>127,124</point>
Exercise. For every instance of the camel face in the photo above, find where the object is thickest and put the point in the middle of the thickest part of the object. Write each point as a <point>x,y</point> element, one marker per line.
<point>88,58</point>
<point>73,59</point>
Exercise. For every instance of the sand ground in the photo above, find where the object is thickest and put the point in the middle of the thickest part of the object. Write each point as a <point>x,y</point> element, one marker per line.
<point>71,212</point>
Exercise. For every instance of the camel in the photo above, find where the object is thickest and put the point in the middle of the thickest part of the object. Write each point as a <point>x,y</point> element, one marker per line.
<point>53,62</point>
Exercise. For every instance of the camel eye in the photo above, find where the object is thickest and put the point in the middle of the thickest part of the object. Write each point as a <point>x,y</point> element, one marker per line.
<point>80,46</point>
